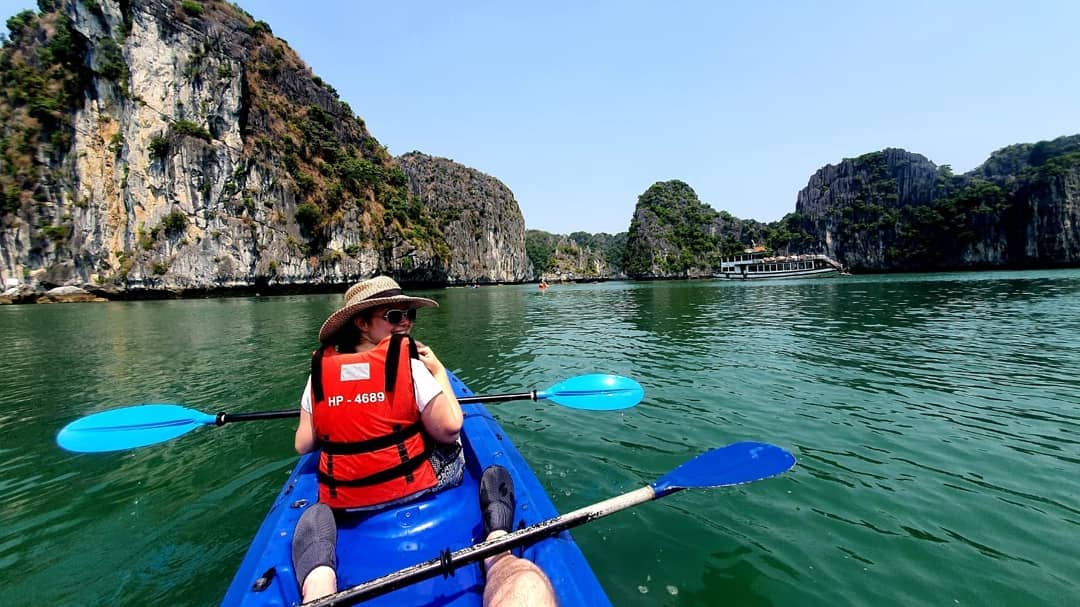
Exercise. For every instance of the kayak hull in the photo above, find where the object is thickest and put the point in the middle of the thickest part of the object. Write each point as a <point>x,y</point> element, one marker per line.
<point>372,545</point>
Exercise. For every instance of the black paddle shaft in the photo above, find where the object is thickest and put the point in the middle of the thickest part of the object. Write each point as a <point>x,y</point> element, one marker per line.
<point>498,398</point>
<point>224,418</point>
<point>448,561</point>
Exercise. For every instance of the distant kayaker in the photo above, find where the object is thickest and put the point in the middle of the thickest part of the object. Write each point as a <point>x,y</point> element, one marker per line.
<point>375,400</point>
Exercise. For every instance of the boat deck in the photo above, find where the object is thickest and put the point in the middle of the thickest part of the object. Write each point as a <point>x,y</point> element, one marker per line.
<point>759,266</point>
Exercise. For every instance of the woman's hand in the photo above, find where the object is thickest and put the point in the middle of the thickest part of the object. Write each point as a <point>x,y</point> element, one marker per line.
<point>442,416</point>
<point>432,362</point>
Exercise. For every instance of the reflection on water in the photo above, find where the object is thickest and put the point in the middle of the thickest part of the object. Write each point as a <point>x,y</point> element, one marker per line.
<point>934,417</point>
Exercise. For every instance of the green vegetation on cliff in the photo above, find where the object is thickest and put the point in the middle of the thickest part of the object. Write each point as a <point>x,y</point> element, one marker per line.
<point>42,83</point>
<point>329,174</point>
<point>673,234</point>
<point>933,233</point>
<point>540,248</point>
<point>881,211</point>
<point>886,210</point>
<point>792,234</point>
<point>894,210</point>
<point>576,256</point>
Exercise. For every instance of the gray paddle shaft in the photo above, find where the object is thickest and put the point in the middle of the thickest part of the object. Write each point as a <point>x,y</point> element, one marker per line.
<point>448,562</point>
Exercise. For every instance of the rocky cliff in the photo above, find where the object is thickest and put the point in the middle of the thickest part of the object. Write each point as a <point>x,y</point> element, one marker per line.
<point>476,213</point>
<point>884,211</point>
<point>894,210</point>
<point>674,235</point>
<point>576,257</point>
<point>159,145</point>
<point>851,209</point>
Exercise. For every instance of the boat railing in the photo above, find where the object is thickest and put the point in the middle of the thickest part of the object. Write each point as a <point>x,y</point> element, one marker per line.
<point>746,259</point>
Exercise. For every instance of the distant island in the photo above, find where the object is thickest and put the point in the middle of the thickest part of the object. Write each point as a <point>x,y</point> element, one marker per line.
<point>887,211</point>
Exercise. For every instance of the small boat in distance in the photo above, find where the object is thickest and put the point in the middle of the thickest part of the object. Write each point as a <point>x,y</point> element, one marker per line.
<point>757,265</point>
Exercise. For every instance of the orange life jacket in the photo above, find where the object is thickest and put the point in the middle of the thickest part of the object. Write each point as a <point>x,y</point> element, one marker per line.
<point>368,426</point>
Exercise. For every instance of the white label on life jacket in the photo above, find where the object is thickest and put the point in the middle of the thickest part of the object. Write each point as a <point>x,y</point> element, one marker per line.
<point>355,371</point>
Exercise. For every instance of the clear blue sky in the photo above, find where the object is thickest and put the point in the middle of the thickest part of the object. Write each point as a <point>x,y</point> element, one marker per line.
<point>579,107</point>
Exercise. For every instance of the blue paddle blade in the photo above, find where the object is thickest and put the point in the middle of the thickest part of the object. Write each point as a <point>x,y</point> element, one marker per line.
<point>595,392</point>
<point>734,464</point>
<point>130,427</point>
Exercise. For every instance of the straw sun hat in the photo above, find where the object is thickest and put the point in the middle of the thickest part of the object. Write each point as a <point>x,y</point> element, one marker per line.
<point>371,293</point>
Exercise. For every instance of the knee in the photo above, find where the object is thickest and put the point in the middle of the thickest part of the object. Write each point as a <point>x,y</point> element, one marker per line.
<point>518,582</point>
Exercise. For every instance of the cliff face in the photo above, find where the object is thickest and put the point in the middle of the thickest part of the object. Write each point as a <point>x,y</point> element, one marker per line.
<point>573,262</point>
<point>1049,219</point>
<point>154,145</point>
<point>477,215</point>
<point>894,210</point>
<point>1041,183</point>
<point>674,235</point>
<point>652,246</point>
<point>851,208</point>
<point>577,257</point>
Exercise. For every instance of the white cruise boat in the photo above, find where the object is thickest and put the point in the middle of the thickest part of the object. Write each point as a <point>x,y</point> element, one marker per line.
<point>758,265</point>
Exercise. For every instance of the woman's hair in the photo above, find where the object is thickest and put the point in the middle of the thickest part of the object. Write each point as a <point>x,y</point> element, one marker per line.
<point>348,336</point>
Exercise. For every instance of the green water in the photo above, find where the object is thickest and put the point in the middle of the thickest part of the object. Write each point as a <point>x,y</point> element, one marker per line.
<point>936,420</point>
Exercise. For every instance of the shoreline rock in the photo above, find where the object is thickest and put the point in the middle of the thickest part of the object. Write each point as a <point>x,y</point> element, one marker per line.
<point>39,293</point>
<point>68,294</point>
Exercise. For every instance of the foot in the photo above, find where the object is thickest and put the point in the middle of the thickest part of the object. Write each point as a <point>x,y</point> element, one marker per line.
<point>314,543</point>
<point>497,500</point>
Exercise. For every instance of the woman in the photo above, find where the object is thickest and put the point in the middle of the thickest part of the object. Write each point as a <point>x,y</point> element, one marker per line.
<point>381,408</point>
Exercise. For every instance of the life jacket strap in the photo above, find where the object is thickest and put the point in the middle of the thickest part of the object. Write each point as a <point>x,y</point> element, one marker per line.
<point>393,353</point>
<point>401,470</point>
<point>372,444</point>
<point>316,374</point>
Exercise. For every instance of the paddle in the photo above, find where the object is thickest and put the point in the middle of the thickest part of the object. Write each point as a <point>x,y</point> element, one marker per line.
<point>594,392</point>
<point>734,464</point>
<point>141,425</point>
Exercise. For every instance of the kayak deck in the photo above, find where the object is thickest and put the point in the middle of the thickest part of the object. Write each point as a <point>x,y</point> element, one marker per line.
<point>371,545</point>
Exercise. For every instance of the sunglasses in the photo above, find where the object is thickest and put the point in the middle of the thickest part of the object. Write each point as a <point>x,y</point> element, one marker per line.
<point>395,317</point>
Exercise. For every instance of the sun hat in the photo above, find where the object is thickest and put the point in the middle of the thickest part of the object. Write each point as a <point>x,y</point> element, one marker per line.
<point>370,293</point>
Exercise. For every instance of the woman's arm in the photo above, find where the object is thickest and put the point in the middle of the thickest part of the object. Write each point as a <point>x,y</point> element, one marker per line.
<point>442,415</point>
<point>304,441</point>
<point>442,418</point>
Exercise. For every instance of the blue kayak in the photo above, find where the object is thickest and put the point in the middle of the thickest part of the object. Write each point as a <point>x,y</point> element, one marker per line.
<point>395,538</point>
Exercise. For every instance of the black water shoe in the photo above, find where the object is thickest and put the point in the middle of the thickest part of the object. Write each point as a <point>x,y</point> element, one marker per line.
<point>497,499</point>
<point>314,542</point>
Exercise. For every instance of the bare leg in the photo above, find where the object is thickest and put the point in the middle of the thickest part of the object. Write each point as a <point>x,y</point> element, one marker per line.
<point>515,582</point>
<point>320,582</point>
